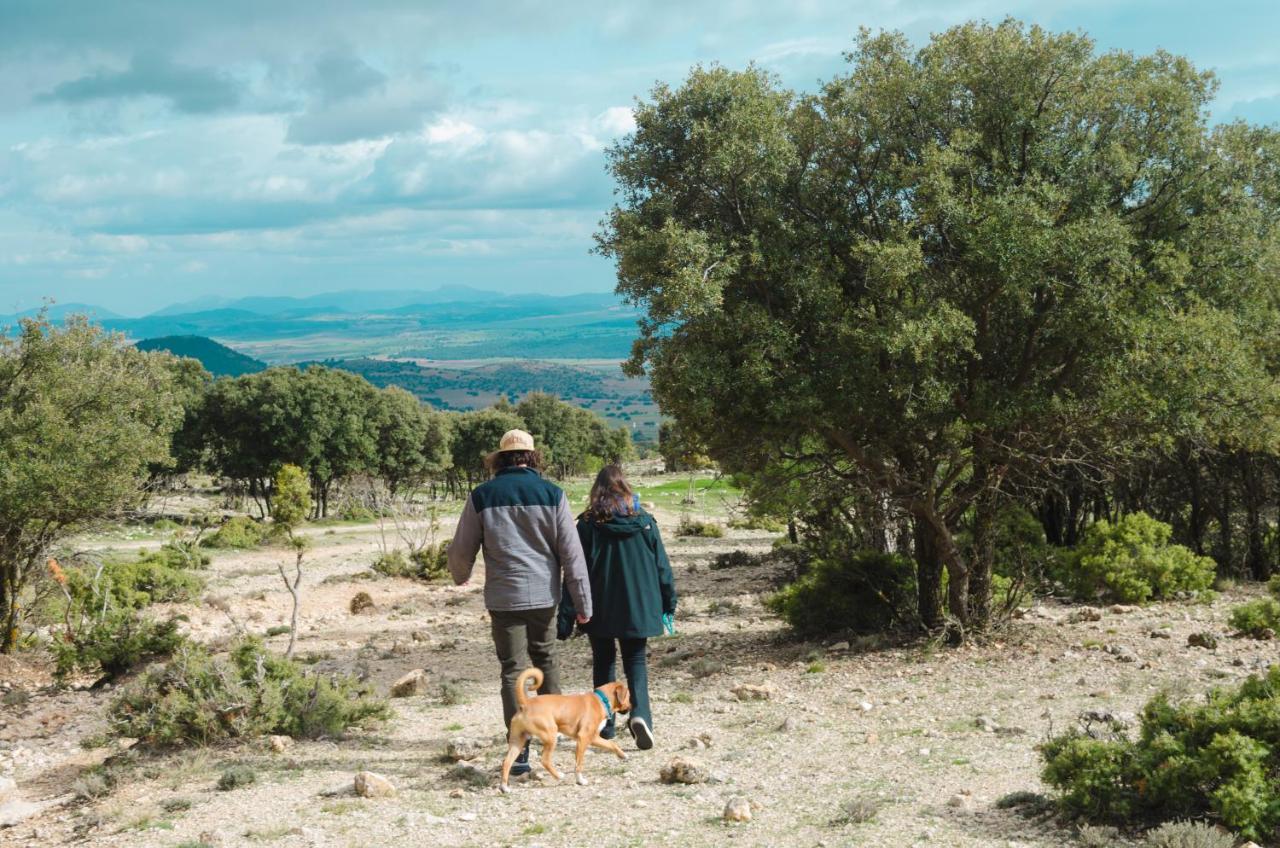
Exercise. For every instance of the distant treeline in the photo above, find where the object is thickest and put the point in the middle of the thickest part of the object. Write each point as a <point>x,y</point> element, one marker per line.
<point>337,427</point>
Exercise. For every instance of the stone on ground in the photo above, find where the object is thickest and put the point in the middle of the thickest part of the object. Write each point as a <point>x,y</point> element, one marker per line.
<point>413,683</point>
<point>738,809</point>
<point>462,748</point>
<point>369,784</point>
<point>681,770</point>
<point>754,691</point>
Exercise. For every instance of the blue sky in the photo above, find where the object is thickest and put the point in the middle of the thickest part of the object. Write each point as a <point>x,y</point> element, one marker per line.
<point>153,152</point>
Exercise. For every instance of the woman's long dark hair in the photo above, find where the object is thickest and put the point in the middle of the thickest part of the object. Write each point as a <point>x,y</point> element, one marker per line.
<point>610,495</point>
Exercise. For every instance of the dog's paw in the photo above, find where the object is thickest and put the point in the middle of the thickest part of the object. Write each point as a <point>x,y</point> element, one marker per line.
<point>622,755</point>
<point>582,781</point>
<point>504,789</point>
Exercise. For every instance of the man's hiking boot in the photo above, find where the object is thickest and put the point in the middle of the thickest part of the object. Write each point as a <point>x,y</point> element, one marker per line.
<point>521,765</point>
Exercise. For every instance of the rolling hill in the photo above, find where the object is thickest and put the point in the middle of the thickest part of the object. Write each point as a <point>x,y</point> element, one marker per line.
<point>218,359</point>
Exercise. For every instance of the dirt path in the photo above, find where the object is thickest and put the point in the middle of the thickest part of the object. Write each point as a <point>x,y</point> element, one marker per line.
<point>904,732</point>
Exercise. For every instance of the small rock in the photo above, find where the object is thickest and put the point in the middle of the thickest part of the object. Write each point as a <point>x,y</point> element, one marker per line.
<point>1122,653</point>
<point>464,749</point>
<point>418,636</point>
<point>962,800</point>
<point>1205,640</point>
<point>681,770</point>
<point>840,646</point>
<point>738,809</point>
<point>213,838</point>
<point>1122,609</point>
<point>467,817</point>
<point>924,752</point>
<point>413,683</point>
<point>865,706</point>
<point>1085,614</point>
<point>7,788</point>
<point>457,793</point>
<point>754,692</point>
<point>985,724</point>
<point>372,785</point>
<point>788,725</point>
<point>872,738</point>
<point>279,744</point>
<point>1161,634</point>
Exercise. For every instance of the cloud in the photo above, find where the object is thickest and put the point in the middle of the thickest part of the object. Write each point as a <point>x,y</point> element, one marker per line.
<point>188,89</point>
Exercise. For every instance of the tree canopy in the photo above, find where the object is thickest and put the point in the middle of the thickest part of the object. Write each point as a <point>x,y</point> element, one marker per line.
<point>953,276</point>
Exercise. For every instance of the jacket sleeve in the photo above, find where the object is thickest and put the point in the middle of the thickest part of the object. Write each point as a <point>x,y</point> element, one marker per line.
<point>467,539</point>
<point>573,565</point>
<point>666,579</point>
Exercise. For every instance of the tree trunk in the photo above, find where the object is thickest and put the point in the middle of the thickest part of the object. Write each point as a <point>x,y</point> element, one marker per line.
<point>1257,561</point>
<point>983,561</point>
<point>8,606</point>
<point>928,576</point>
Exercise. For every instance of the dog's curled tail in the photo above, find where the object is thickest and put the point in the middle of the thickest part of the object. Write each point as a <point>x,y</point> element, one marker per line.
<point>534,674</point>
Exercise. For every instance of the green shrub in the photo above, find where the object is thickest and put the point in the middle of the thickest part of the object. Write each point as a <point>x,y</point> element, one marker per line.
<point>115,642</point>
<point>1273,586</point>
<point>1188,835</point>
<point>699,529</point>
<point>197,698</point>
<point>355,511</point>
<point>1219,758</point>
<point>869,592</point>
<point>152,578</point>
<point>1256,618</point>
<point>431,562</point>
<point>759,522</point>
<point>392,564</point>
<point>235,777</point>
<point>1132,561</point>
<point>238,532</point>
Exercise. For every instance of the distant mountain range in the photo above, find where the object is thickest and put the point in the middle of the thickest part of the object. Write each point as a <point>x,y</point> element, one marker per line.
<point>218,359</point>
<point>447,323</point>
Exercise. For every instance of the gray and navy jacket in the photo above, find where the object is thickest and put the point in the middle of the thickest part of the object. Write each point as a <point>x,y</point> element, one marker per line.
<point>530,543</point>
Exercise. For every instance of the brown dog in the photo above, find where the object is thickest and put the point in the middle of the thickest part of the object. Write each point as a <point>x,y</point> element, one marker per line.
<point>579,716</point>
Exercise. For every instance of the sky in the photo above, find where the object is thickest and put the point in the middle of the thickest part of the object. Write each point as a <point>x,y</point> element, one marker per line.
<point>155,152</point>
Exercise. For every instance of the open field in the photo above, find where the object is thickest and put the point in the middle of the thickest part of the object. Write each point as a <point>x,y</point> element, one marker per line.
<point>918,739</point>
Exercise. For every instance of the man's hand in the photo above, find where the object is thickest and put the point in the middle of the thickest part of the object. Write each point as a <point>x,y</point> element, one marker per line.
<point>583,619</point>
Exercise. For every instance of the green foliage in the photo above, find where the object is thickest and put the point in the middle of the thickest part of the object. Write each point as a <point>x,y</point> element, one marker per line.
<point>953,270</point>
<point>573,440</point>
<point>431,562</point>
<point>1188,835</point>
<point>475,435</point>
<point>864,592</point>
<point>104,628</point>
<point>199,699</point>
<point>392,564</point>
<point>1220,758</point>
<point>1132,561</point>
<point>239,532</point>
<point>84,419</point>
<point>1273,586</point>
<point>1257,618</point>
<point>291,503</point>
<point>218,359</point>
<point>115,642</point>
<point>698,528</point>
<point>235,777</point>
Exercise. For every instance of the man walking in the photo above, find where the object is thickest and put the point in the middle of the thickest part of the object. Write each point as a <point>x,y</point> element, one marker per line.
<point>525,526</point>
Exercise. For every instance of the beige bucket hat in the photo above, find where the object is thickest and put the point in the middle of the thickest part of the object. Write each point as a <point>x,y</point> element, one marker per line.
<point>512,440</point>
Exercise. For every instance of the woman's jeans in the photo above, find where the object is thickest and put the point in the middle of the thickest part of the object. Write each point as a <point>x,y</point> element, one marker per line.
<point>603,654</point>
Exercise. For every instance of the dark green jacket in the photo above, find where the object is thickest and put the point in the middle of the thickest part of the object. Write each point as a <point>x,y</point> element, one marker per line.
<point>631,581</point>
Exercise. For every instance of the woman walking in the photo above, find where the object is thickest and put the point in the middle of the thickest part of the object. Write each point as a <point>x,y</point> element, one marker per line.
<point>632,589</point>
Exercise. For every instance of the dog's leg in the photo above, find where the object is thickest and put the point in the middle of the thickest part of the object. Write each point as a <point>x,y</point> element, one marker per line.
<point>584,740</point>
<point>513,750</point>
<point>549,748</point>
<point>608,745</point>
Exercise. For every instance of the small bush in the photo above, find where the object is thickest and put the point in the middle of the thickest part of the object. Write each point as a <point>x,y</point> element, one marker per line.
<point>197,698</point>
<point>239,532</point>
<point>152,578</point>
<point>1188,835</point>
<point>235,777</point>
<point>278,630</point>
<point>699,529</point>
<point>868,593</point>
<point>361,602</point>
<point>392,564</point>
<point>1273,586</point>
<point>858,810</point>
<point>1257,618</point>
<point>431,561</point>
<point>1219,758</point>
<point>1132,561</point>
<point>452,693</point>
<point>427,563</point>
<point>114,643</point>
<point>93,783</point>
<point>735,559</point>
<point>759,522</point>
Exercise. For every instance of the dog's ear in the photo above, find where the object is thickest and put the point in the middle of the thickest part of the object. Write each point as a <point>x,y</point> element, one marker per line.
<point>623,696</point>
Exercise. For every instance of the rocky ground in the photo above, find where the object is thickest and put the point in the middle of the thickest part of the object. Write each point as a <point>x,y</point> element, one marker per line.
<point>820,745</point>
